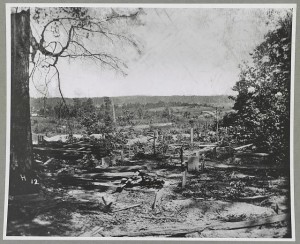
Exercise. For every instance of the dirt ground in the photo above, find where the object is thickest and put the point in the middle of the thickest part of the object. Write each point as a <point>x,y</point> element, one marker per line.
<point>71,203</point>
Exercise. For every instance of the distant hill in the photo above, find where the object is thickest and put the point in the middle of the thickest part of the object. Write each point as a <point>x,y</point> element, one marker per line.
<point>221,100</point>
<point>167,99</point>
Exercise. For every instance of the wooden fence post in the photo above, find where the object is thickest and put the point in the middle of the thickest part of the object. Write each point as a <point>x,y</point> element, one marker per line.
<point>122,155</point>
<point>192,135</point>
<point>184,175</point>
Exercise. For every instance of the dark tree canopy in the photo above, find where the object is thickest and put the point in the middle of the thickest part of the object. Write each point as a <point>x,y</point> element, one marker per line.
<point>263,99</point>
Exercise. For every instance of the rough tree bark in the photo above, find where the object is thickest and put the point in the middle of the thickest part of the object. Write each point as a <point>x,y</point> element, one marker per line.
<point>21,138</point>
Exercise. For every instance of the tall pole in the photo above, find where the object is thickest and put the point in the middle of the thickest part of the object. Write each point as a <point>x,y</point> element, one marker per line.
<point>217,129</point>
<point>113,110</point>
<point>44,106</point>
<point>192,134</point>
<point>155,134</point>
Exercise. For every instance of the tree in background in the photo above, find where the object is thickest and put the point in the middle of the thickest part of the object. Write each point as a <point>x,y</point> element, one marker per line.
<point>76,109</point>
<point>88,106</point>
<point>140,112</point>
<point>108,121</point>
<point>263,101</point>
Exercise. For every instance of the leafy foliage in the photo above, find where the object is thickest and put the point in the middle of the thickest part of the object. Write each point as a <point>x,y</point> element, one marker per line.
<point>263,100</point>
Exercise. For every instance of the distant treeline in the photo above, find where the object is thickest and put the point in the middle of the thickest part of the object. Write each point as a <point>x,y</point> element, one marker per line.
<point>148,101</point>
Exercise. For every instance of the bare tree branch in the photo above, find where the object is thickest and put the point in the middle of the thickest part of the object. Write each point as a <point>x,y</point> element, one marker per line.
<point>63,98</point>
<point>99,56</point>
<point>78,28</point>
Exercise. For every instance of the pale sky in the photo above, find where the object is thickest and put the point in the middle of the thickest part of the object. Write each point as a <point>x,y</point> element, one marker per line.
<point>185,52</point>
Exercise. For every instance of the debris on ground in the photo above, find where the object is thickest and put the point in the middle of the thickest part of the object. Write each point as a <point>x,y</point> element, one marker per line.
<point>84,194</point>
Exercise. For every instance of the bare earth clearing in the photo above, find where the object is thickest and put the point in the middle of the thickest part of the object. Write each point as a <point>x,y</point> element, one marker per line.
<point>90,202</point>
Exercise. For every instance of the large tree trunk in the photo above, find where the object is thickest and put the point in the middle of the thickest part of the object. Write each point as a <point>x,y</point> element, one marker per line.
<point>21,138</point>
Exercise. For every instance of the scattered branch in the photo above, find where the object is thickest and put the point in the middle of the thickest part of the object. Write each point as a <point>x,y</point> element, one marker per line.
<point>122,209</point>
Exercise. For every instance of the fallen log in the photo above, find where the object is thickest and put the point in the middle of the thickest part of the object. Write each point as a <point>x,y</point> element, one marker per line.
<point>119,175</point>
<point>133,168</point>
<point>242,147</point>
<point>48,161</point>
<point>250,223</point>
<point>61,154</point>
<point>198,198</point>
<point>248,154</point>
<point>159,231</point>
<point>258,198</point>
<point>71,151</point>
<point>122,209</point>
<point>139,190</point>
<point>35,197</point>
<point>201,227</point>
<point>158,218</point>
<point>210,164</point>
<point>59,150</point>
<point>207,145</point>
<point>82,148</point>
<point>78,181</point>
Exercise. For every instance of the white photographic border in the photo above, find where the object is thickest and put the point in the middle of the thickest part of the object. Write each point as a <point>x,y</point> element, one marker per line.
<point>143,5</point>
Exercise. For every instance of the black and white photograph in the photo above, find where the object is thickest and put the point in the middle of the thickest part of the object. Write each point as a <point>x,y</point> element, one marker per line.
<point>150,122</point>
